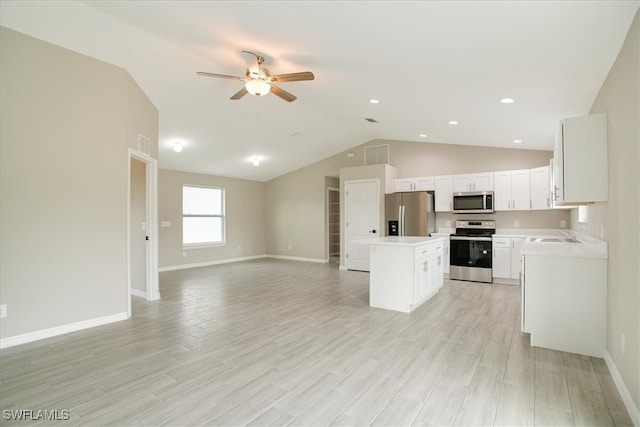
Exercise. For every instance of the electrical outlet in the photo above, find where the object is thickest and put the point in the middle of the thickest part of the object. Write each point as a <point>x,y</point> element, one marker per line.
<point>289,247</point>
<point>516,223</point>
<point>563,223</point>
<point>3,310</point>
<point>622,343</point>
<point>239,248</point>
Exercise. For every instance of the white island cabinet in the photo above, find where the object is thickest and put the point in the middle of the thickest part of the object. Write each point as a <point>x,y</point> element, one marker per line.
<point>405,271</point>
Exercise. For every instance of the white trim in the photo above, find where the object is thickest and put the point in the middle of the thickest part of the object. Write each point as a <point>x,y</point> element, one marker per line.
<point>208,263</point>
<point>138,293</point>
<point>342,267</point>
<point>61,330</point>
<point>297,258</point>
<point>632,409</point>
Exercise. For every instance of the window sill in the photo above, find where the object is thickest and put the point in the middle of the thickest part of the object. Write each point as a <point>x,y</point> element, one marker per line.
<point>202,245</point>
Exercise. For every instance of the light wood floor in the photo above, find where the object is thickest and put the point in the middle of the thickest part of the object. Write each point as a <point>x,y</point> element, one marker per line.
<point>272,342</point>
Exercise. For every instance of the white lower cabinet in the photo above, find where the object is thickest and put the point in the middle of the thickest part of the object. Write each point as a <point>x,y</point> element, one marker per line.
<point>564,303</point>
<point>501,262</point>
<point>506,257</point>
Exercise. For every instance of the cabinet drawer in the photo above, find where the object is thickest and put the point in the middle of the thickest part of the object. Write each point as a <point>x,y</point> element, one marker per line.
<point>501,242</point>
<point>422,251</point>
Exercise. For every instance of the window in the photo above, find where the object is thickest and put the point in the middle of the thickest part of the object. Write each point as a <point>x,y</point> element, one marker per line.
<point>202,216</point>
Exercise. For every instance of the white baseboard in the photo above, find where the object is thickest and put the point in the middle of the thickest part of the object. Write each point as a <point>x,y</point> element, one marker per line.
<point>297,258</point>
<point>632,409</point>
<point>61,330</point>
<point>208,263</point>
<point>138,293</point>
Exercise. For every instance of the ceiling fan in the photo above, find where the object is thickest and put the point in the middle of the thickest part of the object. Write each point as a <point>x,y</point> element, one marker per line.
<point>259,81</point>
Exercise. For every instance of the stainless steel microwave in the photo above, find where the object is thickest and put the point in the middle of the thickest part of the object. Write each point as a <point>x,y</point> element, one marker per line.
<point>473,202</point>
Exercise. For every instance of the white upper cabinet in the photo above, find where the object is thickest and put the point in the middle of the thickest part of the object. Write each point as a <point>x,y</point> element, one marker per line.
<point>511,190</point>
<point>540,188</point>
<point>473,182</point>
<point>414,184</point>
<point>443,193</point>
<point>580,161</point>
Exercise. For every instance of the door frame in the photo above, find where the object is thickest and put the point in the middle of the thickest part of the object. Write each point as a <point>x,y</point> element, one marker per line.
<point>151,204</point>
<point>343,219</point>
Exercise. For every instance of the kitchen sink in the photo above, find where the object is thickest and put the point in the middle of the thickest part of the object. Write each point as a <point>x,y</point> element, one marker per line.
<point>554,240</point>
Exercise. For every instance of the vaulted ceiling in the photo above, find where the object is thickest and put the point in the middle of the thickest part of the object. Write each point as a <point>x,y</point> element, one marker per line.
<point>427,62</point>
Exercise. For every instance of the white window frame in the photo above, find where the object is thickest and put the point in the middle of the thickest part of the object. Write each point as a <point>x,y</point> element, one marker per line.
<point>222,242</point>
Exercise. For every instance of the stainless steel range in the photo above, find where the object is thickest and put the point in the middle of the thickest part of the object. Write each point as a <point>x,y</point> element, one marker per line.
<point>471,251</point>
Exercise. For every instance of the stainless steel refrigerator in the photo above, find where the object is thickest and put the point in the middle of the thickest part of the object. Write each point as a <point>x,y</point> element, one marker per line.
<point>410,214</point>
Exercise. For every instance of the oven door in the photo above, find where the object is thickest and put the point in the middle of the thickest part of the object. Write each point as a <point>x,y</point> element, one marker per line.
<point>471,258</point>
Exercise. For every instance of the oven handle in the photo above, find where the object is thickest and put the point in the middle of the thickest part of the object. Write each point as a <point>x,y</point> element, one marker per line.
<point>480,239</point>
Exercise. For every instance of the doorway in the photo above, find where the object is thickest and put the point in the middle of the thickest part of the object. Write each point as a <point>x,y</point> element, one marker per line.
<point>142,235</point>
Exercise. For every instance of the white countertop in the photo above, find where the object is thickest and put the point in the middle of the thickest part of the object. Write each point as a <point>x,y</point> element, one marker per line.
<point>399,240</point>
<point>588,247</point>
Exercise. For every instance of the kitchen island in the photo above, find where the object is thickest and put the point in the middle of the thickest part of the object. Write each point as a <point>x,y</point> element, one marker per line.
<point>405,271</point>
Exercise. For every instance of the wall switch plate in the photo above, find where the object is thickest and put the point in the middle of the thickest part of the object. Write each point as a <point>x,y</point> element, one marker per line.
<point>3,310</point>
<point>184,254</point>
<point>563,223</point>
<point>165,224</point>
<point>289,247</point>
<point>516,223</point>
<point>239,248</point>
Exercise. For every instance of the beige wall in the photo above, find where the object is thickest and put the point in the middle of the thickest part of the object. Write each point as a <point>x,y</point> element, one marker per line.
<point>619,97</point>
<point>296,202</point>
<point>65,123</point>
<point>244,219</point>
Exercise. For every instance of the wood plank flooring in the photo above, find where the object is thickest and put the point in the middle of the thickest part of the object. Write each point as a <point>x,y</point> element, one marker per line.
<point>273,342</point>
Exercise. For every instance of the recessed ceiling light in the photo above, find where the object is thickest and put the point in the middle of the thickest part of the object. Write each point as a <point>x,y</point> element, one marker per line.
<point>453,122</point>
<point>423,135</point>
<point>374,101</point>
<point>517,141</point>
<point>256,161</point>
<point>177,147</point>
<point>507,100</point>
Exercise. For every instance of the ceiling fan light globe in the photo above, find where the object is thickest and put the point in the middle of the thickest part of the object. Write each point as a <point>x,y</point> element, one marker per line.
<point>257,87</point>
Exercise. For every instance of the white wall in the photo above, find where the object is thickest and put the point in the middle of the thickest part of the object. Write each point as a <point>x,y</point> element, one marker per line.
<point>66,121</point>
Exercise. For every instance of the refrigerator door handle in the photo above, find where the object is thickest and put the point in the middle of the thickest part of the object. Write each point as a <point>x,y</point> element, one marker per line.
<point>401,217</point>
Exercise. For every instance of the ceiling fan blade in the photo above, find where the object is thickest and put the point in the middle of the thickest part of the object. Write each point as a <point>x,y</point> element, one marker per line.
<point>239,94</point>
<point>282,93</point>
<point>222,76</point>
<point>292,77</point>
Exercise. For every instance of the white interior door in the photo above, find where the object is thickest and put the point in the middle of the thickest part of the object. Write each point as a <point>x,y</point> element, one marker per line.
<point>362,221</point>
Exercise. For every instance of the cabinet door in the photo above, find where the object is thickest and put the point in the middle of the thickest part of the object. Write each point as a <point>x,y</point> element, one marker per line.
<point>422,276</point>
<point>520,191</point>
<point>540,188</point>
<point>483,182</point>
<point>516,245</point>
<point>462,183</point>
<point>502,262</point>
<point>443,189</point>
<point>403,184</point>
<point>558,166</point>
<point>424,184</point>
<point>502,191</point>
